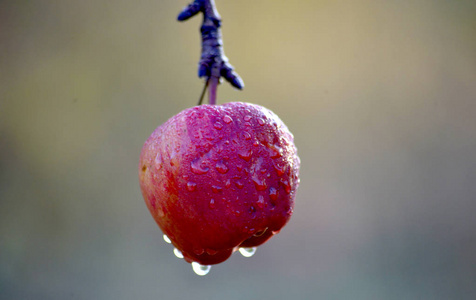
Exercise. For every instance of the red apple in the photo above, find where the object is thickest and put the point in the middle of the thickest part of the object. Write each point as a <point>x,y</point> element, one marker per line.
<point>220,177</point>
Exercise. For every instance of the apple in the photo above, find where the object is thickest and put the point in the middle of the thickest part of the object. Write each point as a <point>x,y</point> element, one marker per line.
<point>220,177</point>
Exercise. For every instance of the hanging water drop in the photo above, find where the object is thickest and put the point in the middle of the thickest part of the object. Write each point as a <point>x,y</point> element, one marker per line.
<point>166,239</point>
<point>199,269</point>
<point>247,252</point>
<point>178,253</point>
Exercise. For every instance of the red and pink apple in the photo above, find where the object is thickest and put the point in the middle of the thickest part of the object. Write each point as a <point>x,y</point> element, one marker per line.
<point>220,177</point>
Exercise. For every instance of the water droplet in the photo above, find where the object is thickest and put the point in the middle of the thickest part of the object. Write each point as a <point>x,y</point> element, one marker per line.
<point>256,143</point>
<point>218,125</point>
<point>279,169</point>
<point>178,253</point>
<point>260,201</point>
<point>259,184</point>
<point>252,209</point>
<point>247,118</point>
<point>245,154</point>
<point>216,189</point>
<point>246,135</point>
<point>237,212</point>
<point>261,121</point>
<point>239,167</point>
<point>221,167</point>
<point>211,204</point>
<point>247,252</point>
<point>197,168</point>
<point>166,239</point>
<point>287,186</point>
<point>239,184</point>
<point>211,251</point>
<point>191,186</point>
<point>275,151</point>
<point>227,119</point>
<point>273,193</point>
<point>228,183</point>
<point>198,250</point>
<point>263,171</point>
<point>199,269</point>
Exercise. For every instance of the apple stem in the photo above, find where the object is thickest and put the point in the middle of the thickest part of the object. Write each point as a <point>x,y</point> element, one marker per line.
<point>213,62</point>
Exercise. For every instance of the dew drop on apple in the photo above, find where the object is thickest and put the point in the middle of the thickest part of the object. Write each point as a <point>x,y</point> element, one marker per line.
<point>275,151</point>
<point>260,201</point>
<point>239,184</point>
<point>197,168</point>
<point>191,186</point>
<point>166,239</point>
<point>245,154</point>
<point>279,169</point>
<point>221,167</point>
<point>218,125</point>
<point>227,119</point>
<point>247,118</point>
<point>261,121</point>
<point>216,189</point>
<point>178,253</point>
<point>287,186</point>
<point>199,269</point>
<point>260,184</point>
<point>211,204</point>
<point>247,252</point>
<point>273,193</point>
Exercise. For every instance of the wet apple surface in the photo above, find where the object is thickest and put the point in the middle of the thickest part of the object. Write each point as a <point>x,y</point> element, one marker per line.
<point>217,178</point>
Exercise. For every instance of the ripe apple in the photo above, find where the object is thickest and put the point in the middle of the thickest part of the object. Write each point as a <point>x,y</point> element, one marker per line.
<point>220,177</point>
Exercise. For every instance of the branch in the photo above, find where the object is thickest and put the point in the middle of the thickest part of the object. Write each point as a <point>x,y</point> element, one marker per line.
<point>213,62</point>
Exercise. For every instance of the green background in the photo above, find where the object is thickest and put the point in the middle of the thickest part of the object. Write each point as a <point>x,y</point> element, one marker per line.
<point>380,96</point>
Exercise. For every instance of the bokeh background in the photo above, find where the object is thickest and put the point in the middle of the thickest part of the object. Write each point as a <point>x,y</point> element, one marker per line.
<point>381,98</point>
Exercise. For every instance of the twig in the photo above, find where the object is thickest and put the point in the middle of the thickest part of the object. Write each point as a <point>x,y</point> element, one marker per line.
<point>213,62</point>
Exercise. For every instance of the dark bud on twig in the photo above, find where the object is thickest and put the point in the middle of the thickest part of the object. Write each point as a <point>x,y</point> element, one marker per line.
<point>213,62</point>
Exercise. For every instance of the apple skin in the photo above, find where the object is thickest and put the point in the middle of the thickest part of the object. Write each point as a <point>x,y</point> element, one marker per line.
<point>219,177</point>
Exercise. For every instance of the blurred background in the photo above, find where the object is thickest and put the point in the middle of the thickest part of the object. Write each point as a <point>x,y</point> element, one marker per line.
<point>381,98</point>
